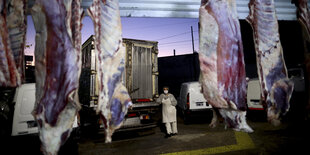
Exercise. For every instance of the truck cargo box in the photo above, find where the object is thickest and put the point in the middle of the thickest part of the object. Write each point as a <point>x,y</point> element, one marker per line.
<point>140,78</point>
<point>141,74</point>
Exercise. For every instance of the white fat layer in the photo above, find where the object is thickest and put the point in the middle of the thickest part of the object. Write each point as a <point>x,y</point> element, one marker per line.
<point>237,116</point>
<point>270,60</point>
<point>233,7</point>
<point>208,80</point>
<point>233,105</point>
<point>51,135</point>
<point>110,67</point>
<point>209,33</point>
<point>68,5</point>
<point>273,117</point>
<point>272,50</point>
<point>39,20</point>
<point>118,94</point>
<point>214,120</point>
<point>110,59</point>
<point>208,40</point>
<point>12,23</point>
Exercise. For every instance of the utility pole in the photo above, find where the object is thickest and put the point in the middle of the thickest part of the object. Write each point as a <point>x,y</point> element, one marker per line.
<point>192,39</point>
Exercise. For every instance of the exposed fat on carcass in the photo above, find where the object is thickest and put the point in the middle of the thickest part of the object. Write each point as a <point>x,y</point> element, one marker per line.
<point>12,41</point>
<point>276,88</point>
<point>222,61</point>
<point>113,99</point>
<point>58,66</point>
<point>17,25</point>
<point>303,15</point>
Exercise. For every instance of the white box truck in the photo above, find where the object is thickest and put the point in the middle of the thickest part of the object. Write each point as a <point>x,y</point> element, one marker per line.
<point>140,78</point>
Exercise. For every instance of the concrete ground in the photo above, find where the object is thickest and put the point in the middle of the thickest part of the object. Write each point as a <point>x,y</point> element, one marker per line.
<point>292,137</point>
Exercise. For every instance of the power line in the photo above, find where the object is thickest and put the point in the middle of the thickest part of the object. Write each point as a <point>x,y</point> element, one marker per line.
<point>175,35</point>
<point>177,42</point>
<point>162,25</point>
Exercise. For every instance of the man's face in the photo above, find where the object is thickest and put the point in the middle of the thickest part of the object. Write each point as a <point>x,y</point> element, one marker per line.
<point>166,90</point>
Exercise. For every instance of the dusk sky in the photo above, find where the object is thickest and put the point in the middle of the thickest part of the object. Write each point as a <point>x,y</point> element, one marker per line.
<point>171,33</point>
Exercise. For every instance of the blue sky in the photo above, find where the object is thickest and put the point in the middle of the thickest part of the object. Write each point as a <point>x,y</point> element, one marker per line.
<point>171,33</point>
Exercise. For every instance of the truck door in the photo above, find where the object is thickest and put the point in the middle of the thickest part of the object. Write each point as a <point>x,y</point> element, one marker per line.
<point>142,83</point>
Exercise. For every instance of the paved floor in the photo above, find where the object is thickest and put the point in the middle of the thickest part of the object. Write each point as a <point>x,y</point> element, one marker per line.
<point>197,138</point>
<point>292,137</point>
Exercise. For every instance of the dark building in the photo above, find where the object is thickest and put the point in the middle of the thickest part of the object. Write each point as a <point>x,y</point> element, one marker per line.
<point>29,69</point>
<point>175,70</point>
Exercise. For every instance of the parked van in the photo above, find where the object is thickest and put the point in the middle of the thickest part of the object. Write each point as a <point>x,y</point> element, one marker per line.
<point>253,91</point>
<point>20,108</point>
<point>23,120</point>
<point>253,95</point>
<point>297,76</point>
<point>191,99</point>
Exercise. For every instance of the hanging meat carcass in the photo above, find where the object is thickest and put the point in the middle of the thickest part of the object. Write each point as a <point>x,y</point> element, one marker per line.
<point>276,88</point>
<point>303,15</point>
<point>113,99</point>
<point>58,66</point>
<point>222,62</point>
<point>17,25</point>
<point>12,41</point>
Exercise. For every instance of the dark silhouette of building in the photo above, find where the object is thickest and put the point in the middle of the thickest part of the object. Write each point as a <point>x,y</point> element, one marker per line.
<point>175,70</point>
<point>29,69</point>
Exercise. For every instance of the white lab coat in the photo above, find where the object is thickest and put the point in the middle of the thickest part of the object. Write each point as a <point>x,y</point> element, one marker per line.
<point>169,113</point>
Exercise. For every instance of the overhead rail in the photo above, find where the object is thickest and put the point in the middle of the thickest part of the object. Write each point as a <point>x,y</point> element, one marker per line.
<point>185,8</point>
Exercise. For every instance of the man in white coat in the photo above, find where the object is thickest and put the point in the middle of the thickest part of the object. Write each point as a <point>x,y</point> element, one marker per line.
<point>169,112</point>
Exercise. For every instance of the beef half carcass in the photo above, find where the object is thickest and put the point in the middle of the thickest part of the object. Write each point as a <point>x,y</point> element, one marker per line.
<point>113,99</point>
<point>303,16</point>
<point>16,20</point>
<point>276,88</point>
<point>58,66</point>
<point>12,41</point>
<point>222,62</point>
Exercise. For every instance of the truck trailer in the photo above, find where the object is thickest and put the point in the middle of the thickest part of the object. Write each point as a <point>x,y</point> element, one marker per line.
<point>140,78</point>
